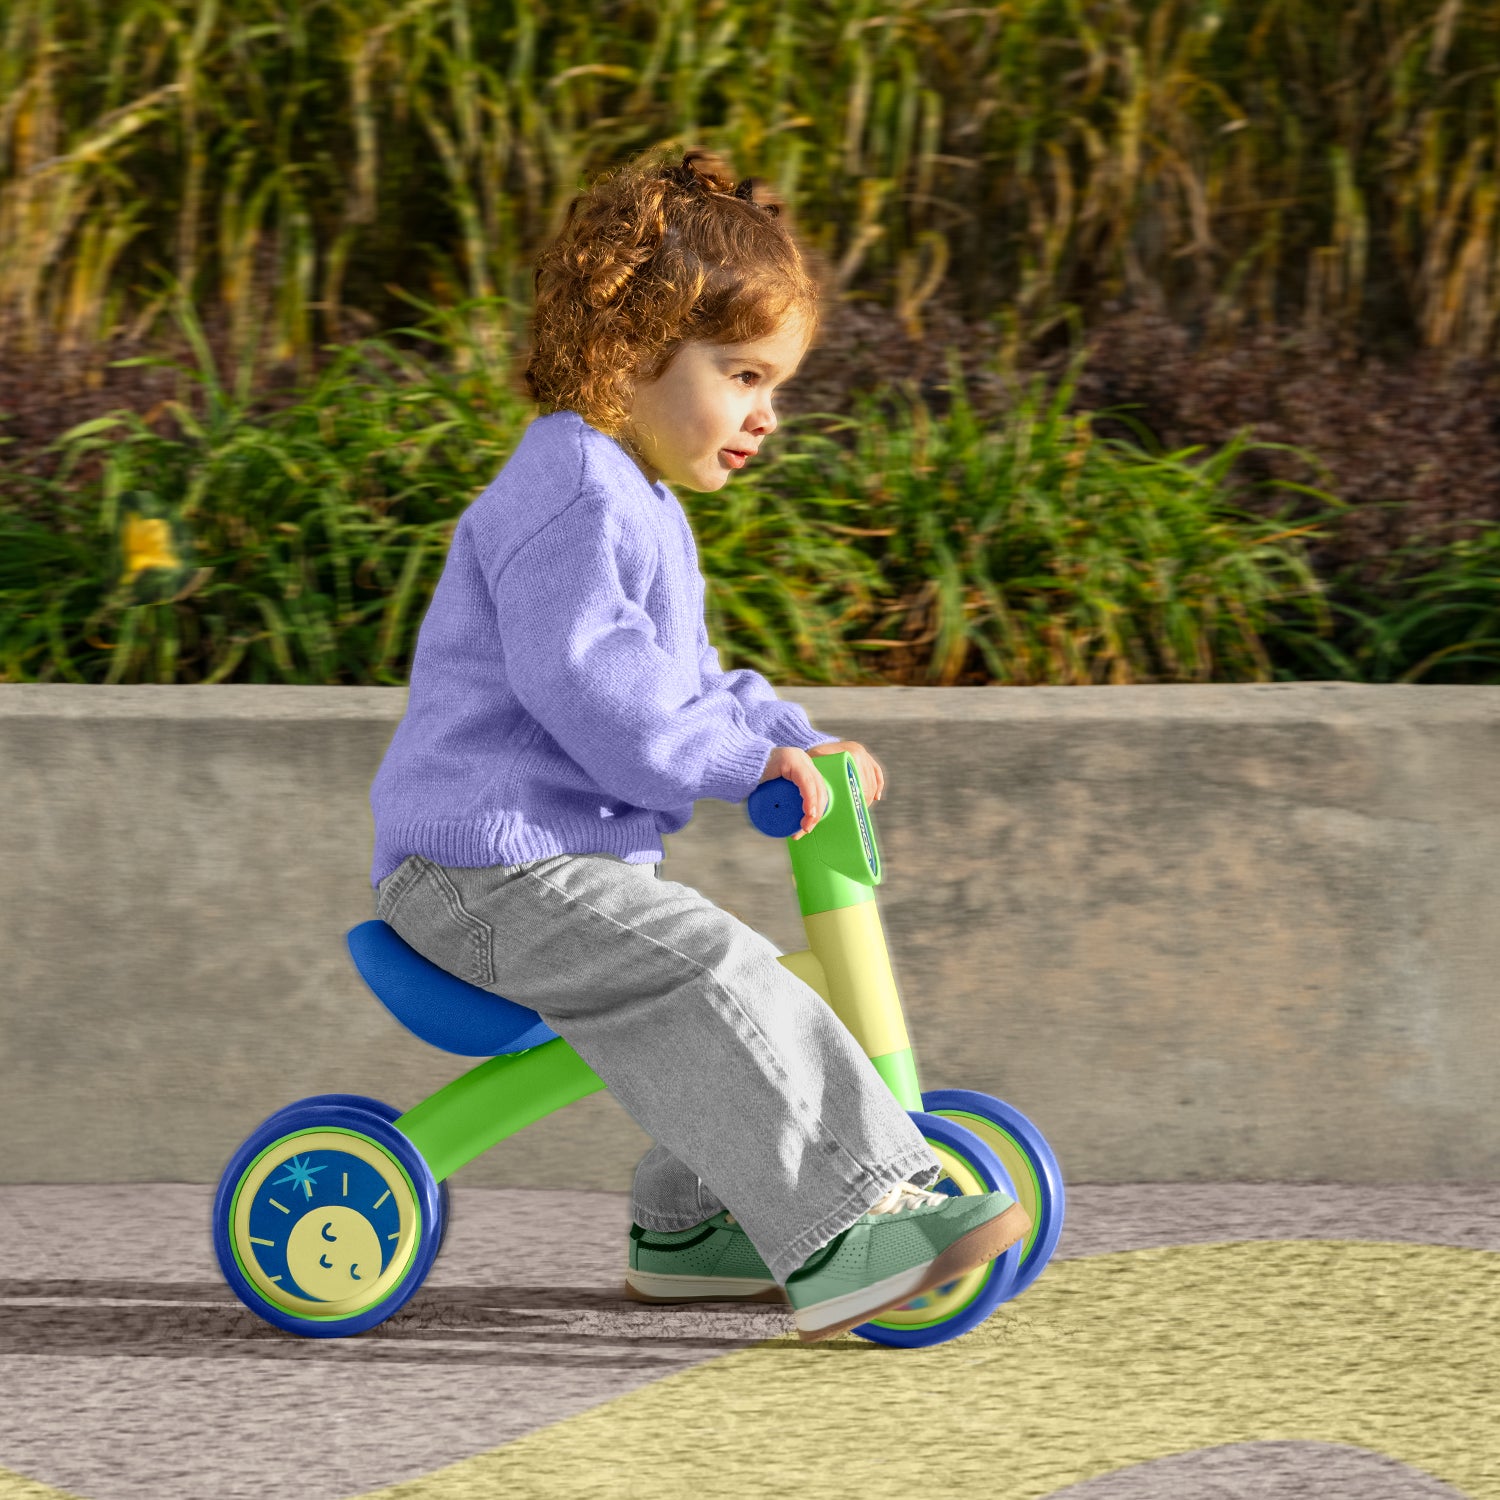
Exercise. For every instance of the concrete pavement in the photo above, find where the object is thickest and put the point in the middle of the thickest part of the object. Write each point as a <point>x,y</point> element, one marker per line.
<point>1186,1340</point>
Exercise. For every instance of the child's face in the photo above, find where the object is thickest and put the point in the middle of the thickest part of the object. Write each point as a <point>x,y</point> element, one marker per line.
<point>712,397</point>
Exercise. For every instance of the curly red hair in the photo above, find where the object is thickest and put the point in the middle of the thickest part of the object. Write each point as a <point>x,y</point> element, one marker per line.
<point>653,254</point>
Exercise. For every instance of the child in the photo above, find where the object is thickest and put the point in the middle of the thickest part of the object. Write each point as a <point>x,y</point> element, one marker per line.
<point>566,710</point>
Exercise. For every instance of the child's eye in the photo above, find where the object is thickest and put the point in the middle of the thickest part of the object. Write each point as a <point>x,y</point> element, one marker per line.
<point>753,374</point>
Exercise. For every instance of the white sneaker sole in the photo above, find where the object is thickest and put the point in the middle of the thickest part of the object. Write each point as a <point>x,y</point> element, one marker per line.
<point>648,1286</point>
<point>856,1307</point>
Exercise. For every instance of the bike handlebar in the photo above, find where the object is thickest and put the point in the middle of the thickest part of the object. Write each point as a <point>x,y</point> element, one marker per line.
<point>775,807</point>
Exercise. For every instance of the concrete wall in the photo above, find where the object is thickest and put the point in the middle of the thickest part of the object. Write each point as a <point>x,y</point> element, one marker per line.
<point>1195,932</point>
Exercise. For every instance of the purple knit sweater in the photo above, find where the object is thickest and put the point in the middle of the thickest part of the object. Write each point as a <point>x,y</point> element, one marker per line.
<point>564,698</point>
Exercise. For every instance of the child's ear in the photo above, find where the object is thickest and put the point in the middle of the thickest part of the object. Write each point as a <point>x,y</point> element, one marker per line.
<point>666,359</point>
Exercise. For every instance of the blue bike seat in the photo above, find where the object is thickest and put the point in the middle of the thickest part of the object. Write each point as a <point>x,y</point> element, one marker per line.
<point>442,1009</point>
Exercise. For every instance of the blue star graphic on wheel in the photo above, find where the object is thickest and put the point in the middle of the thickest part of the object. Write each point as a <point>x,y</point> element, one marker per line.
<point>299,1174</point>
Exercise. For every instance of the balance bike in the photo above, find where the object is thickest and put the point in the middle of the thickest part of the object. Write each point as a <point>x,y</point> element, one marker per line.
<point>330,1215</point>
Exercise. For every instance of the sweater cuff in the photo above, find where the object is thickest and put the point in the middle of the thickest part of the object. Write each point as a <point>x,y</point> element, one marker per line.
<point>790,723</point>
<point>736,769</point>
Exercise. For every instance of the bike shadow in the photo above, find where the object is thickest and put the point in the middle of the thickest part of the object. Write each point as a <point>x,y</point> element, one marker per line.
<point>503,1325</point>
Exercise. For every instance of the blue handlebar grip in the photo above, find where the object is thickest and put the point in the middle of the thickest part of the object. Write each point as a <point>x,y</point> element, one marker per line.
<point>775,808</point>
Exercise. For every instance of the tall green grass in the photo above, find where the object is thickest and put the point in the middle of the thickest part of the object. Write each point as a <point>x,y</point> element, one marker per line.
<point>303,546</point>
<point>303,172</point>
<point>1334,164</point>
<point>299,548</point>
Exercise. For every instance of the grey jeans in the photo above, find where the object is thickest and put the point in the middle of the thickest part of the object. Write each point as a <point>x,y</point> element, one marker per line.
<point>756,1095</point>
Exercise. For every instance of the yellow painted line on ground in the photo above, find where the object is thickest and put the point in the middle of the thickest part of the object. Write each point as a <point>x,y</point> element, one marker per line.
<point>1104,1363</point>
<point>19,1487</point>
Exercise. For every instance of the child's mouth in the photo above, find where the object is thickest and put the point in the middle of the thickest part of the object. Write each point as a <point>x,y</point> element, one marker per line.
<point>733,459</point>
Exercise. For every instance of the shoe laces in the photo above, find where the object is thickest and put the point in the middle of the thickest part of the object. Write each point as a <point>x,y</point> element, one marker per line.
<point>906,1195</point>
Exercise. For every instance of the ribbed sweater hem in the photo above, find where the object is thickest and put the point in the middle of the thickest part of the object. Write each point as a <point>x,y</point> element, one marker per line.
<point>512,838</point>
<point>475,845</point>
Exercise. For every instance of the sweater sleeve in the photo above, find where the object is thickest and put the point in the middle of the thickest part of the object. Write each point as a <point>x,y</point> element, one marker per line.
<point>785,723</point>
<point>582,657</point>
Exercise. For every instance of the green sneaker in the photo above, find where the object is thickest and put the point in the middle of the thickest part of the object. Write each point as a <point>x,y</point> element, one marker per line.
<point>910,1241</point>
<point>712,1262</point>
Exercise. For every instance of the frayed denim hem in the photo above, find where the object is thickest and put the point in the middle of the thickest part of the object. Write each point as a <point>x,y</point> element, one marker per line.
<point>915,1167</point>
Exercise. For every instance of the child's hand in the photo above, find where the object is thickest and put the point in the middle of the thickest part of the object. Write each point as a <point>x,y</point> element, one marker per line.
<point>794,764</point>
<point>870,771</point>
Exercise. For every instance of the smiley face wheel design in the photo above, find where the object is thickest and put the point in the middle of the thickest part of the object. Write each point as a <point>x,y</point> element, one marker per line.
<point>327,1220</point>
<point>386,1112</point>
<point>945,1312</point>
<point>1028,1159</point>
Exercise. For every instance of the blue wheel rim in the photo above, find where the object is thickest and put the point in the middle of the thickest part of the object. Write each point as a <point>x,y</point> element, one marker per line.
<point>1043,1172</point>
<point>370,1133</point>
<point>987,1167</point>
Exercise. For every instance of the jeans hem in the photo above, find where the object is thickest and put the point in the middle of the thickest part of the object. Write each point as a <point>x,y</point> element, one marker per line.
<point>654,1224</point>
<point>914,1166</point>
